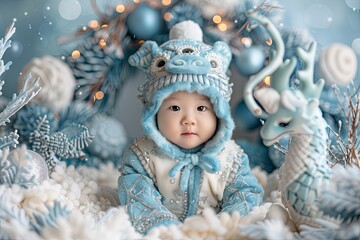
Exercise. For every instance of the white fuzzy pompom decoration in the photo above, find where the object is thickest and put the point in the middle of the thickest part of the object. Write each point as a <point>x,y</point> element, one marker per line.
<point>186,30</point>
<point>56,80</point>
<point>338,64</point>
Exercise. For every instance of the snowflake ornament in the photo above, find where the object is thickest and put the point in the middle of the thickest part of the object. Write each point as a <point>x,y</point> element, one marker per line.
<point>26,118</point>
<point>67,143</point>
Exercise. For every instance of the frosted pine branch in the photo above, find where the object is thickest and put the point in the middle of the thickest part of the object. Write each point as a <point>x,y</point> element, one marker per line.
<point>28,92</point>
<point>5,43</point>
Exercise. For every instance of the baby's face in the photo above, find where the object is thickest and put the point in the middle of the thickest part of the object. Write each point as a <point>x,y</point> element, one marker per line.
<point>187,119</point>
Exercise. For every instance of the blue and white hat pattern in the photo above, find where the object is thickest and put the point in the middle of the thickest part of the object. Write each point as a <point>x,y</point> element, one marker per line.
<point>183,60</point>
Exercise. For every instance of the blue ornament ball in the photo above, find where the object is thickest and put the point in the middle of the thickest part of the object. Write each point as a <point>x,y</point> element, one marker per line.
<point>144,22</point>
<point>109,136</point>
<point>250,60</point>
<point>244,119</point>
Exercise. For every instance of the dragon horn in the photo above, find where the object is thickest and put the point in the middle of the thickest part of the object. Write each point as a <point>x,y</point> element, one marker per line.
<point>254,80</point>
<point>306,75</point>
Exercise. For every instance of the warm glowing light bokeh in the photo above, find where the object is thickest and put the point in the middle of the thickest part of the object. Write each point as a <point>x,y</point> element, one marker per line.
<point>267,80</point>
<point>217,19</point>
<point>120,8</point>
<point>269,41</point>
<point>166,2</point>
<point>94,24</point>
<point>75,54</point>
<point>102,43</point>
<point>222,27</point>
<point>246,41</point>
<point>168,16</point>
<point>99,95</point>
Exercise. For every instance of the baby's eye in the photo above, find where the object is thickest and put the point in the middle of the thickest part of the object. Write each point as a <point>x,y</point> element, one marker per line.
<point>201,108</point>
<point>174,108</point>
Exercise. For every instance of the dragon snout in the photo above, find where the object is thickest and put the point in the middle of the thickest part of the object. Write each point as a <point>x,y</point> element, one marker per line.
<point>188,64</point>
<point>269,135</point>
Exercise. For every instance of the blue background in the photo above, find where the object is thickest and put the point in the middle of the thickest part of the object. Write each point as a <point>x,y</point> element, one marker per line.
<point>39,23</point>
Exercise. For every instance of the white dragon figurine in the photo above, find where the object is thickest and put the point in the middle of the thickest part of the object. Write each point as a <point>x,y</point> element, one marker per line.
<point>305,172</point>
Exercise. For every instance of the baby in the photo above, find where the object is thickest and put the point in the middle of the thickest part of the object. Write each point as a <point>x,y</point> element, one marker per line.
<point>186,161</point>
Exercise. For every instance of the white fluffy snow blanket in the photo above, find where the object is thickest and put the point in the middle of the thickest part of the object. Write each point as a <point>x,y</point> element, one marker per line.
<point>90,195</point>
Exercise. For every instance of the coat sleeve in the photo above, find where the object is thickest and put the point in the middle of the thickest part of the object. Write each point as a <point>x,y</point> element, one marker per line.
<point>140,197</point>
<point>243,192</point>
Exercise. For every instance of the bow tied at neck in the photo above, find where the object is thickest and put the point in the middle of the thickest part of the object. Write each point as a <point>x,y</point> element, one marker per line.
<point>194,159</point>
<point>206,162</point>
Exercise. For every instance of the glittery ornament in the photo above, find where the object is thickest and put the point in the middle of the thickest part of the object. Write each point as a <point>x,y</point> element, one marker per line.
<point>35,166</point>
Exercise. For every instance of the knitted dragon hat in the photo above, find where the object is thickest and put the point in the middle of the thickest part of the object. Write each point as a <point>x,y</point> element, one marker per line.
<point>185,63</point>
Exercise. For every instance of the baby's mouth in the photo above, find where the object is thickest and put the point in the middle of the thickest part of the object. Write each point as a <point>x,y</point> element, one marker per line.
<point>188,134</point>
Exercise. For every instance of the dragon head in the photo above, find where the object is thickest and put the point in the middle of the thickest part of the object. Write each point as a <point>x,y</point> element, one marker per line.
<point>290,110</point>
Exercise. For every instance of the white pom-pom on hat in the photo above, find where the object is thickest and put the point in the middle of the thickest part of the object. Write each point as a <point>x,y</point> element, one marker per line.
<point>338,64</point>
<point>186,30</point>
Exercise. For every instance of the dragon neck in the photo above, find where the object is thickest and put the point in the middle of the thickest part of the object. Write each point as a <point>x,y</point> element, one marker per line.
<point>306,150</point>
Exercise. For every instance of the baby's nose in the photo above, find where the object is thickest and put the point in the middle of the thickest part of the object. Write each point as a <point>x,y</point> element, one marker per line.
<point>188,120</point>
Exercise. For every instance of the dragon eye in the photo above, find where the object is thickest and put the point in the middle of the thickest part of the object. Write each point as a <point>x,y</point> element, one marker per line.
<point>160,63</point>
<point>284,124</point>
<point>46,138</point>
<point>213,64</point>
<point>187,50</point>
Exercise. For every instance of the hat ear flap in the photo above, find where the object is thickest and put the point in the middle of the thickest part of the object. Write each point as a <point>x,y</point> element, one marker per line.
<point>143,57</point>
<point>223,49</point>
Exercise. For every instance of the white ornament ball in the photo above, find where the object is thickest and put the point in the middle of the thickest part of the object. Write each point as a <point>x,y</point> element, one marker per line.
<point>56,80</point>
<point>35,166</point>
<point>338,64</point>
